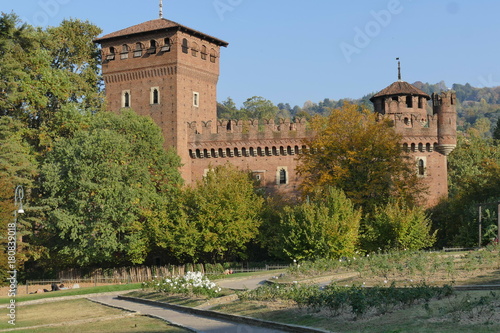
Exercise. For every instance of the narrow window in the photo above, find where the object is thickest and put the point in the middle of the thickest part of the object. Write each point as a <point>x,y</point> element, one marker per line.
<point>111,55</point>
<point>155,95</point>
<point>194,50</point>
<point>124,53</point>
<point>196,99</point>
<point>166,45</point>
<point>420,102</point>
<point>126,99</point>
<point>138,50</point>
<point>409,101</point>
<point>212,55</point>
<point>204,52</point>
<point>152,47</point>
<point>421,167</point>
<point>185,45</point>
<point>282,176</point>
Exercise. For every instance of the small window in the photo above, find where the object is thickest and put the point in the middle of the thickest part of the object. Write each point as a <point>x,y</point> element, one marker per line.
<point>204,52</point>
<point>124,53</point>
<point>212,55</point>
<point>152,47</point>
<point>196,99</point>
<point>138,50</point>
<point>409,101</point>
<point>126,99</point>
<point>111,55</point>
<point>194,50</point>
<point>421,167</point>
<point>420,102</point>
<point>155,95</point>
<point>394,98</point>
<point>282,176</point>
<point>166,45</point>
<point>185,46</point>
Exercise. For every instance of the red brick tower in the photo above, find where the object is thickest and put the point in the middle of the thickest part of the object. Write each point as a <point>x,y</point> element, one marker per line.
<point>429,134</point>
<point>164,70</point>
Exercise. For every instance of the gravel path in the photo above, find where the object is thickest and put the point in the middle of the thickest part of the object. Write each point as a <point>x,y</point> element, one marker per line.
<point>193,322</point>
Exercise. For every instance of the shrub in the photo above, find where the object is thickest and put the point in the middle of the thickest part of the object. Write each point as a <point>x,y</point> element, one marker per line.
<point>193,283</point>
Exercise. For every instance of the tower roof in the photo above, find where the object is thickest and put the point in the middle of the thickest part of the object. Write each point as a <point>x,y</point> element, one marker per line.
<point>158,25</point>
<point>400,88</point>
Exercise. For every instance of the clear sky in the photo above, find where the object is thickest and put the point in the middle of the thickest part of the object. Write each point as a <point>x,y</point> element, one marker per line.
<point>292,51</point>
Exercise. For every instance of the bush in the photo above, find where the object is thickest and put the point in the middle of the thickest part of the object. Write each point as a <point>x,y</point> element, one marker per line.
<point>193,283</point>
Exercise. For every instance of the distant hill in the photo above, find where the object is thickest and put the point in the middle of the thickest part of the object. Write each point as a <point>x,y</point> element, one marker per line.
<point>478,108</point>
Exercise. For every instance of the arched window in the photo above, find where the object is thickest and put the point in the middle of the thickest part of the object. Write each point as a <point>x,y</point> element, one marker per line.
<point>420,147</point>
<point>259,151</point>
<point>212,55</point>
<point>152,46</point>
<point>421,167</point>
<point>155,95</point>
<point>185,45</point>
<point>124,53</point>
<point>204,52</point>
<point>222,153</point>
<point>405,147</point>
<point>194,49</point>
<point>111,55</point>
<point>275,151</point>
<point>282,176</point>
<point>282,151</point>
<point>166,45</point>
<point>126,99</point>
<point>138,50</point>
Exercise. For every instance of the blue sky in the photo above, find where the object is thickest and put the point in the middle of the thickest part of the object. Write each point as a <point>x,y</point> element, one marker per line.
<point>292,51</point>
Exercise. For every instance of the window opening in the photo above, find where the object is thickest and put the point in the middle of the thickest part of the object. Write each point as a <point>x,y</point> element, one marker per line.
<point>138,50</point>
<point>282,176</point>
<point>185,45</point>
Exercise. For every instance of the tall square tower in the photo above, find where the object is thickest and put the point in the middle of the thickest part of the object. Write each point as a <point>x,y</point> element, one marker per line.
<point>164,70</point>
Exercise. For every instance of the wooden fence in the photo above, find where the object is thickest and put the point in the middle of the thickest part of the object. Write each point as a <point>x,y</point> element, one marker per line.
<point>137,274</point>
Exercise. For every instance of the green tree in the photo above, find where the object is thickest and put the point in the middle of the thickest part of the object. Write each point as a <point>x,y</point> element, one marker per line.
<point>325,226</point>
<point>225,209</point>
<point>360,154</point>
<point>228,110</point>
<point>474,173</point>
<point>17,167</point>
<point>398,227</point>
<point>45,72</point>
<point>107,188</point>
<point>260,108</point>
<point>496,131</point>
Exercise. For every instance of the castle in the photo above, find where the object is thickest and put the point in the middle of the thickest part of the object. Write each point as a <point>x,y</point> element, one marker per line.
<point>169,72</point>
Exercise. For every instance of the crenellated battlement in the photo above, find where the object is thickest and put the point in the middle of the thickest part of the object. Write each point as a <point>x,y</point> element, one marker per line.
<point>244,130</point>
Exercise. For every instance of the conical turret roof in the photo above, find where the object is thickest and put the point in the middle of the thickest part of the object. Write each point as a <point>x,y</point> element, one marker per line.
<point>400,88</point>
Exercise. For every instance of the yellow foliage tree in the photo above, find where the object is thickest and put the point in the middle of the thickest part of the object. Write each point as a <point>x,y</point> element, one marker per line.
<point>360,153</point>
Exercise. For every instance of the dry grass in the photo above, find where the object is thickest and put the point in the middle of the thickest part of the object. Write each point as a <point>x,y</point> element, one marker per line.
<point>82,316</point>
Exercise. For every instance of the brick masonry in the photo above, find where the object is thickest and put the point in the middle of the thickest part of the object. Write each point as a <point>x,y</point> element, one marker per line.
<point>169,72</point>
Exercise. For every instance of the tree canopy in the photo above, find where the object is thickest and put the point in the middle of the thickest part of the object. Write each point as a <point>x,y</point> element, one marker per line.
<point>102,187</point>
<point>361,154</point>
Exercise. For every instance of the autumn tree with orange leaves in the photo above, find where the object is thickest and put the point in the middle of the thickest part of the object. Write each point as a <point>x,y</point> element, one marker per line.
<point>359,152</point>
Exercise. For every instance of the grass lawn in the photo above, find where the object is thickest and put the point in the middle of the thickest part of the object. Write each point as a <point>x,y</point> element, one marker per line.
<point>82,315</point>
<point>73,292</point>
